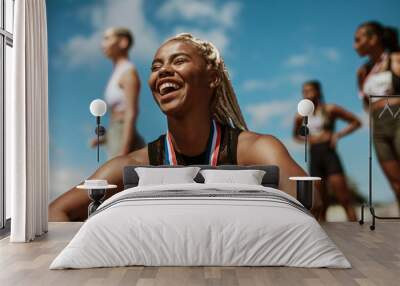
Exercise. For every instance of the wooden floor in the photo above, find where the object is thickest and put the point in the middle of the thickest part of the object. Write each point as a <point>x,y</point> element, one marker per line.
<point>374,255</point>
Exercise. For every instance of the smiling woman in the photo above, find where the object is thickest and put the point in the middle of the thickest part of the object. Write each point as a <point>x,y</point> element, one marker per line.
<point>190,84</point>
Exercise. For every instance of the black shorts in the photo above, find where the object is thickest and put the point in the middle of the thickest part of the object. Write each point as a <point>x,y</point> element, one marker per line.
<point>324,161</point>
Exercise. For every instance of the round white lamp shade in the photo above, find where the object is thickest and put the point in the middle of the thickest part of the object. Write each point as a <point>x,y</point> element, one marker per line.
<point>305,107</point>
<point>98,107</point>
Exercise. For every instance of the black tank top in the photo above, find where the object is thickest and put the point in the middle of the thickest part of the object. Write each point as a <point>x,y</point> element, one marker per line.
<point>227,153</point>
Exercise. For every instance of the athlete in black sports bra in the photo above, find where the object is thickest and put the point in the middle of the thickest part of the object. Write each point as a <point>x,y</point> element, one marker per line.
<point>324,160</point>
<point>191,86</point>
<point>227,153</point>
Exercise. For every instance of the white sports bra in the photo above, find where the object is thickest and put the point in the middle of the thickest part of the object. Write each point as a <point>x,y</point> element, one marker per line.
<point>319,122</point>
<point>378,82</point>
<point>114,94</point>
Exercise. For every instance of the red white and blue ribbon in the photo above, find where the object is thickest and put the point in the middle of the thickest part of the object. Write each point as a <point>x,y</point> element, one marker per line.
<point>213,146</point>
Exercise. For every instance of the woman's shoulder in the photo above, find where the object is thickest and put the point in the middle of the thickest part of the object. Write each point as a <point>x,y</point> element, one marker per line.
<point>126,64</point>
<point>334,109</point>
<point>364,69</point>
<point>367,66</point>
<point>112,170</point>
<point>249,138</point>
<point>127,69</point>
<point>256,148</point>
<point>131,67</point>
<point>138,157</point>
<point>330,107</point>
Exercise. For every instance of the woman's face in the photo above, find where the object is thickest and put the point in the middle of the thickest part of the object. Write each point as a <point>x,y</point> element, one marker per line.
<point>180,79</point>
<point>311,92</point>
<point>363,43</point>
<point>110,44</point>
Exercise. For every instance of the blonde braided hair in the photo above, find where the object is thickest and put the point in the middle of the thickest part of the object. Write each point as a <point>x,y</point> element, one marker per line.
<point>224,106</point>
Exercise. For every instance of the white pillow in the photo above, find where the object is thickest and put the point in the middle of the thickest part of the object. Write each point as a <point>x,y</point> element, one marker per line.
<point>164,176</point>
<point>248,177</point>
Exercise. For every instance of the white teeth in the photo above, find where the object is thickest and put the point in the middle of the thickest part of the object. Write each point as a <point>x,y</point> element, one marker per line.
<point>167,85</point>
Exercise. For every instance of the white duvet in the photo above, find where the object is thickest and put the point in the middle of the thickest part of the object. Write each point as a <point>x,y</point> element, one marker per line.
<point>185,230</point>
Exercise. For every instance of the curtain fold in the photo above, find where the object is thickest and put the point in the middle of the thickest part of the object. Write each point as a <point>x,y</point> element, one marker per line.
<point>27,139</point>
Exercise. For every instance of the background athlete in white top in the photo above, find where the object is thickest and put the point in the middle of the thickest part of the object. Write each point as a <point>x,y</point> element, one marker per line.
<point>121,95</point>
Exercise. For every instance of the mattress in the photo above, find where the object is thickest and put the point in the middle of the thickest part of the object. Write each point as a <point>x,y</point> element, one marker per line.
<point>201,225</point>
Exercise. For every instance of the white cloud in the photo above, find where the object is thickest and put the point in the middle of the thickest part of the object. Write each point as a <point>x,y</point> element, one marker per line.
<point>269,84</point>
<point>200,11</point>
<point>203,19</point>
<point>264,113</point>
<point>298,78</point>
<point>312,56</point>
<point>85,49</point>
<point>217,36</point>
<point>64,178</point>
<point>279,113</point>
<point>82,50</point>
<point>260,84</point>
<point>293,146</point>
<point>228,14</point>
<point>298,60</point>
<point>331,54</point>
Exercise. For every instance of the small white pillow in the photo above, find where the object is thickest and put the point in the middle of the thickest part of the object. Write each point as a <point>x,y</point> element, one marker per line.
<point>163,176</point>
<point>248,177</point>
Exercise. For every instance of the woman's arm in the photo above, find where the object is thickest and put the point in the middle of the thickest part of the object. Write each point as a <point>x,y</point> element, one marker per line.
<point>73,204</point>
<point>296,130</point>
<point>257,149</point>
<point>361,76</point>
<point>130,84</point>
<point>351,118</point>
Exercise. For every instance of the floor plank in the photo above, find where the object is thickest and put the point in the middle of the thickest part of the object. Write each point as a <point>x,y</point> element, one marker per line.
<point>374,255</point>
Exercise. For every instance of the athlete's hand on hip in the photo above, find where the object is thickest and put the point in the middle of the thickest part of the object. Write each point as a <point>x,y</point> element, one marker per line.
<point>93,142</point>
<point>333,141</point>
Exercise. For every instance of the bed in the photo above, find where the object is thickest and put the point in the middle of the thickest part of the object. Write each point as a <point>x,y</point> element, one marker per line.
<point>201,224</point>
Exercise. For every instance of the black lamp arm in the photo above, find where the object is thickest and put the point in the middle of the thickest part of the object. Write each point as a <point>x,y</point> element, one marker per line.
<point>305,122</point>
<point>100,131</point>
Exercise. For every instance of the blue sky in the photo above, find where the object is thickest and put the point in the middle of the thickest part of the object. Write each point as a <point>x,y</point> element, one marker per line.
<point>270,48</point>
